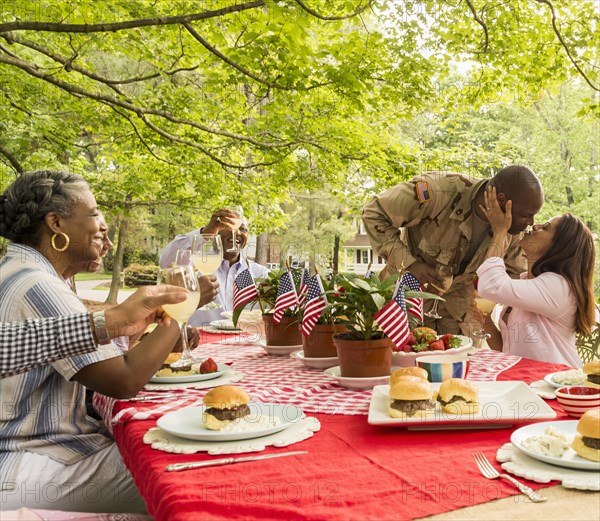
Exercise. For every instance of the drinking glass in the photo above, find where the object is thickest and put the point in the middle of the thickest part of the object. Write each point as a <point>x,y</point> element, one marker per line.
<point>485,306</point>
<point>184,276</point>
<point>207,255</point>
<point>237,222</point>
<point>446,273</point>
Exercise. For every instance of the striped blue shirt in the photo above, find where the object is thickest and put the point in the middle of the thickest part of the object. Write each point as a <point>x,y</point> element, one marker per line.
<point>41,410</point>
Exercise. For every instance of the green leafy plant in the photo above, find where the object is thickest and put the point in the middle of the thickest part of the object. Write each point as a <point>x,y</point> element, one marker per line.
<point>359,299</point>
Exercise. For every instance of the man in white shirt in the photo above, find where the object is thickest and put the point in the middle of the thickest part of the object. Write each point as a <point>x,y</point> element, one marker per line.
<point>233,261</point>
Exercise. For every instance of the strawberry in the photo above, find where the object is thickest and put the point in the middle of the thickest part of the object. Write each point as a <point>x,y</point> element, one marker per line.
<point>451,341</point>
<point>208,366</point>
<point>412,340</point>
<point>438,345</point>
<point>407,348</point>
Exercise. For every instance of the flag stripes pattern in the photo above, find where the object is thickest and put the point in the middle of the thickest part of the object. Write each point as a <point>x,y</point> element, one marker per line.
<point>300,279</point>
<point>244,288</point>
<point>316,302</point>
<point>286,296</point>
<point>416,309</point>
<point>392,318</point>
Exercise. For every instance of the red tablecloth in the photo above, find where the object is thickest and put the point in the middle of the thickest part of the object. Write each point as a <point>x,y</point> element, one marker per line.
<point>353,471</point>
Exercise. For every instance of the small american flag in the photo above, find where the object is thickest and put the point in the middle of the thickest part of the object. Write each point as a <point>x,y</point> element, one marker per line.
<point>300,279</point>
<point>316,302</point>
<point>408,279</point>
<point>392,318</point>
<point>286,296</point>
<point>244,288</point>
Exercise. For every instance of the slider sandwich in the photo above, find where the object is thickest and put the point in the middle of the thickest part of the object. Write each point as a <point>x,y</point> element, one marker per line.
<point>410,397</point>
<point>592,370</point>
<point>167,370</point>
<point>587,439</point>
<point>224,404</point>
<point>416,372</point>
<point>458,396</point>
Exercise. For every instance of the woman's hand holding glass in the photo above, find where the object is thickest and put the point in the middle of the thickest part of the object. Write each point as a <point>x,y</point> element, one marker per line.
<point>182,274</point>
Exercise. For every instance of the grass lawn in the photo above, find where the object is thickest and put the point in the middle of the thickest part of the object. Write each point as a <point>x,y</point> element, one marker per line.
<point>93,276</point>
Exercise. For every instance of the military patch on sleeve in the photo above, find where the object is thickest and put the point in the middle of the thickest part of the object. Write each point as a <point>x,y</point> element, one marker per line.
<point>422,189</point>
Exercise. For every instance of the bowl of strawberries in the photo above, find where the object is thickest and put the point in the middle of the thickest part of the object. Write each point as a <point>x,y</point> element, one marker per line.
<point>424,341</point>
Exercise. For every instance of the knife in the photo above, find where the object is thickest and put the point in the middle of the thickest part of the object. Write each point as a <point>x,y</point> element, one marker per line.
<point>152,398</point>
<point>226,461</point>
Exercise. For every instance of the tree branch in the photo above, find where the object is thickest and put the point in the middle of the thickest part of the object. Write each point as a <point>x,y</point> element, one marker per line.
<point>130,24</point>
<point>565,46</point>
<point>77,91</point>
<point>480,22</point>
<point>14,162</point>
<point>230,62</point>
<point>323,17</point>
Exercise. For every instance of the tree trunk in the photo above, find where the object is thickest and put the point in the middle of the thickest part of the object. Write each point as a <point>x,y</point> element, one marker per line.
<point>118,262</point>
<point>262,249</point>
<point>336,249</point>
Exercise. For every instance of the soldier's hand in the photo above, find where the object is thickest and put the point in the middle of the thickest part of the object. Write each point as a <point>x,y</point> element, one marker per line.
<point>426,274</point>
<point>209,289</point>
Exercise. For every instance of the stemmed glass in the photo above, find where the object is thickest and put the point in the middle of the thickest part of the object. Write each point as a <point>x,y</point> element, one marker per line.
<point>237,222</point>
<point>447,275</point>
<point>206,256</point>
<point>485,307</point>
<point>182,274</point>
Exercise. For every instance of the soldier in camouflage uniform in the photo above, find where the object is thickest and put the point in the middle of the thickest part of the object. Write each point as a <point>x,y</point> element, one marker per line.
<point>435,219</point>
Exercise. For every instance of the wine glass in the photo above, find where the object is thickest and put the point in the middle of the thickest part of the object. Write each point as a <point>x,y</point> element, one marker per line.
<point>447,275</point>
<point>237,222</point>
<point>184,276</point>
<point>485,307</point>
<point>206,256</point>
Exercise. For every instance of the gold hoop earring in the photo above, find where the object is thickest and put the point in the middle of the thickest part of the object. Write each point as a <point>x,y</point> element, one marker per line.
<point>53,241</point>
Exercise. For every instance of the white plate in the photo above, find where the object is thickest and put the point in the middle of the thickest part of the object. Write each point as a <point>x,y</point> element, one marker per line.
<point>367,382</point>
<point>189,377</point>
<point>503,403</point>
<point>226,325</point>
<point>317,363</point>
<point>402,359</point>
<point>569,459</point>
<point>187,422</point>
<point>278,350</point>
<point>548,379</point>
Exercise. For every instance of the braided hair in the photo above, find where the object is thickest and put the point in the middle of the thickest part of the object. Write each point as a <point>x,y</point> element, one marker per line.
<point>33,195</point>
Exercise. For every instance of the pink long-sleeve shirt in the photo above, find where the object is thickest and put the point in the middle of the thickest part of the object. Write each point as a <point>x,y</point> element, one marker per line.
<point>541,324</point>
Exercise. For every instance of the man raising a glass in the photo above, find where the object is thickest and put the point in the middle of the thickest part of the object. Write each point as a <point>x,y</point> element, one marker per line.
<point>232,227</point>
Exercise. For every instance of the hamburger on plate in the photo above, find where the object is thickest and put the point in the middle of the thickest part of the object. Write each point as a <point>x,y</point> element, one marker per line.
<point>224,404</point>
<point>167,370</point>
<point>458,396</point>
<point>411,398</point>
<point>587,440</point>
<point>417,372</point>
<point>592,369</point>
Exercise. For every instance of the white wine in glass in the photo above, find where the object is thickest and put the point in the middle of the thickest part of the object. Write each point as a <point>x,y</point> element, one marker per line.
<point>207,253</point>
<point>184,277</point>
<point>485,306</point>
<point>237,222</point>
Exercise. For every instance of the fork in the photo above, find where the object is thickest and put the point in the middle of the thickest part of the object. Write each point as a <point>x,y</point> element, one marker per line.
<point>485,467</point>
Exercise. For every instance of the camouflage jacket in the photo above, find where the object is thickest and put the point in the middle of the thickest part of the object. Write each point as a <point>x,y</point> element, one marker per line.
<point>429,218</point>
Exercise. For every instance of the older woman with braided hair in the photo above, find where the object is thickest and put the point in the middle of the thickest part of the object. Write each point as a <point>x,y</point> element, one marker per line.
<point>52,455</point>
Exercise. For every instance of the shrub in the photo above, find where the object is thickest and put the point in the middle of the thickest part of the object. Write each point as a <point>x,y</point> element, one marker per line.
<point>140,275</point>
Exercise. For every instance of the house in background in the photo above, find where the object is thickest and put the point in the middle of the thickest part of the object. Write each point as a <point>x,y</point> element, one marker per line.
<point>358,253</point>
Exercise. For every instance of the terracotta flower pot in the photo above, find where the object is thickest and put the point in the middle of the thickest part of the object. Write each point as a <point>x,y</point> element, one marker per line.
<point>286,333</point>
<point>364,358</point>
<point>319,344</point>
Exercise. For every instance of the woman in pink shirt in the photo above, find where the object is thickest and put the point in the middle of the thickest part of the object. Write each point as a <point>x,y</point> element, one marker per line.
<point>553,300</point>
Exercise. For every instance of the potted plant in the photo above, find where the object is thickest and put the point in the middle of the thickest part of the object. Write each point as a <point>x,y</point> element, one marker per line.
<point>287,332</point>
<point>364,350</point>
<point>319,343</point>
